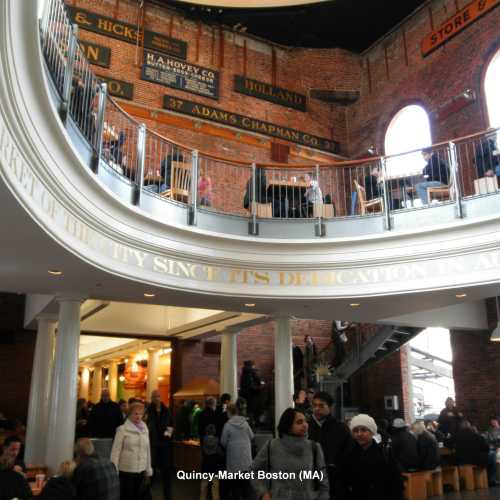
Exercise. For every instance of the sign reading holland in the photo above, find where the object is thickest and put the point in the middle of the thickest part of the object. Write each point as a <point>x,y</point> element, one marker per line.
<point>451,27</point>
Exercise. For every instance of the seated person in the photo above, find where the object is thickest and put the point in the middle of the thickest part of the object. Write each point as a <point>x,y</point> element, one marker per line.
<point>11,454</point>
<point>471,448</point>
<point>493,433</point>
<point>60,487</point>
<point>166,171</point>
<point>12,484</point>
<point>487,163</point>
<point>205,195</point>
<point>372,184</point>
<point>435,174</point>
<point>115,148</point>
<point>404,446</point>
<point>312,196</point>
<point>427,447</point>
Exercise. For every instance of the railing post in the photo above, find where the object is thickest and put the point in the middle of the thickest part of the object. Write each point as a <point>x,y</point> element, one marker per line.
<point>68,73</point>
<point>253,227</point>
<point>141,159</point>
<point>387,206</point>
<point>319,227</point>
<point>96,156</point>
<point>193,208</point>
<point>455,183</point>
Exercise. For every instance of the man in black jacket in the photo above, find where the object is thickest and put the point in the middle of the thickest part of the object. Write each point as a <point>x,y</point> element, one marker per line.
<point>334,437</point>
<point>435,174</point>
<point>160,427</point>
<point>208,416</point>
<point>105,417</point>
<point>404,446</point>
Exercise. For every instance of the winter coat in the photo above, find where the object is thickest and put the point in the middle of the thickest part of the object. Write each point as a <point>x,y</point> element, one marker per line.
<point>291,454</point>
<point>104,419</point>
<point>212,454</point>
<point>428,451</point>
<point>237,443</point>
<point>470,448</point>
<point>160,444</point>
<point>58,488</point>
<point>404,449</point>
<point>449,420</point>
<point>131,451</point>
<point>206,417</point>
<point>369,474</point>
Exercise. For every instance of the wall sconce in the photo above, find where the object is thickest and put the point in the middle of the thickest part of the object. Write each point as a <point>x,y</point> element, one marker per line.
<point>469,94</point>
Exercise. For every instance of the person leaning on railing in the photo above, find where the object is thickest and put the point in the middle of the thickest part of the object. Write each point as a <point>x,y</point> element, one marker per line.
<point>487,158</point>
<point>260,189</point>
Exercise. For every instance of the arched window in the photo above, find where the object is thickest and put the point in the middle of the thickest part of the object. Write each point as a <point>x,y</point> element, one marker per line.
<point>492,90</point>
<point>408,130</point>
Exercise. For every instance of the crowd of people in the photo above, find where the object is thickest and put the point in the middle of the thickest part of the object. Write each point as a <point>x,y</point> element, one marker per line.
<point>355,460</point>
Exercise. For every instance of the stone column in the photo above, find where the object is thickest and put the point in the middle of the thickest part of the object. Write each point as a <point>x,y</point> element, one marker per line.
<point>84,383</point>
<point>229,363</point>
<point>38,412</point>
<point>96,384</point>
<point>153,370</point>
<point>283,367</point>
<point>113,381</point>
<point>62,421</point>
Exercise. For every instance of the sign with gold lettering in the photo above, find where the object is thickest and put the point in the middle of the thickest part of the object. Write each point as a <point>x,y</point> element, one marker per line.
<point>96,54</point>
<point>119,88</point>
<point>179,74</point>
<point>247,123</point>
<point>270,93</point>
<point>457,23</point>
<point>126,32</point>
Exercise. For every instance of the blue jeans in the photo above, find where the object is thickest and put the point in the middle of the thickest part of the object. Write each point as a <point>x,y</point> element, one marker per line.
<point>155,188</point>
<point>421,189</point>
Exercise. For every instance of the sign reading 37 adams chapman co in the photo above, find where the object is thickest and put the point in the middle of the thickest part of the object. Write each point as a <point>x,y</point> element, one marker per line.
<point>126,32</point>
<point>452,26</point>
<point>179,74</point>
<point>270,93</point>
<point>247,123</point>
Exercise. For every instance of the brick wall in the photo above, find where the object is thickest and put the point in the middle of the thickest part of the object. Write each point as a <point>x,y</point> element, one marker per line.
<point>395,74</point>
<point>476,364</point>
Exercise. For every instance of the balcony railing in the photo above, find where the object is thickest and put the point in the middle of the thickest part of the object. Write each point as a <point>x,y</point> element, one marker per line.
<point>378,186</point>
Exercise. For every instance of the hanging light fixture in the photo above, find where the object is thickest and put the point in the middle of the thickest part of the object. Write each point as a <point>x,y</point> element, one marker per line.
<point>495,334</point>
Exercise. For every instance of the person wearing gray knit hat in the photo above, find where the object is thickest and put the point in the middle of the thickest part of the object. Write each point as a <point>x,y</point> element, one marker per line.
<point>363,420</point>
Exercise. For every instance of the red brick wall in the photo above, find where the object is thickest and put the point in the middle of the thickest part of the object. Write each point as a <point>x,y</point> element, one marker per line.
<point>433,81</point>
<point>476,365</point>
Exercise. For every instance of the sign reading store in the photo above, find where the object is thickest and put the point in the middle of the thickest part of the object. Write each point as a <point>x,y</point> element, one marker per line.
<point>126,32</point>
<point>179,74</point>
<point>455,24</point>
<point>270,93</point>
<point>247,123</point>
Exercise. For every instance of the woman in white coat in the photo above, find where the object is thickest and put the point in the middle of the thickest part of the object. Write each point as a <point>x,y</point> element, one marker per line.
<point>131,454</point>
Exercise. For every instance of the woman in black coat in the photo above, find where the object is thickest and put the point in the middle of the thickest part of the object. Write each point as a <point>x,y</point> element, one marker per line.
<point>368,470</point>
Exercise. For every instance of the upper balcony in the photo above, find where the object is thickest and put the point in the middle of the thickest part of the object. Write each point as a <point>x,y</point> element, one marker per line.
<point>190,220</point>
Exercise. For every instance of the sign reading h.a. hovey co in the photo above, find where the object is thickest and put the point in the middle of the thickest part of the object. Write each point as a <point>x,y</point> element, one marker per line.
<point>248,123</point>
<point>126,32</point>
<point>179,74</point>
<point>270,93</point>
<point>452,26</point>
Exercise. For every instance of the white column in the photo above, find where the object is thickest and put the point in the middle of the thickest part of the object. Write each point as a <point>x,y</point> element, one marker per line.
<point>113,381</point>
<point>96,384</point>
<point>153,370</point>
<point>283,368</point>
<point>84,383</point>
<point>61,429</point>
<point>38,412</point>
<point>229,364</point>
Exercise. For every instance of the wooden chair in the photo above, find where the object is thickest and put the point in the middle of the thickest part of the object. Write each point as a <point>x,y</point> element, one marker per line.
<point>180,182</point>
<point>366,205</point>
<point>442,193</point>
<point>263,210</point>
<point>434,482</point>
<point>416,485</point>
<point>466,473</point>
<point>449,474</point>
<point>324,210</point>
<point>480,478</point>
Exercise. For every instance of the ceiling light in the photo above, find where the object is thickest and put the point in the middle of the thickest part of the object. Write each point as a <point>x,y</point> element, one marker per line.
<point>167,350</point>
<point>461,295</point>
<point>121,378</point>
<point>55,272</point>
<point>149,295</point>
<point>249,305</point>
<point>160,378</point>
<point>106,378</point>
<point>354,304</point>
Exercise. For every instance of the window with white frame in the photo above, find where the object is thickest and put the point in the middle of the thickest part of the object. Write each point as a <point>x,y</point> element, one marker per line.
<point>409,130</point>
<point>492,91</point>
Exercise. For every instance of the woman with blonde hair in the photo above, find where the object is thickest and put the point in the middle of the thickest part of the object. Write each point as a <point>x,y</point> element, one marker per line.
<point>427,447</point>
<point>61,487</point>
<point>131,454</point>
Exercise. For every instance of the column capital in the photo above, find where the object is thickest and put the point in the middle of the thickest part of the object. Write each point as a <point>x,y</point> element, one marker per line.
<point>231,330</point>
<point>48,317</point>
<point>71,297</point>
